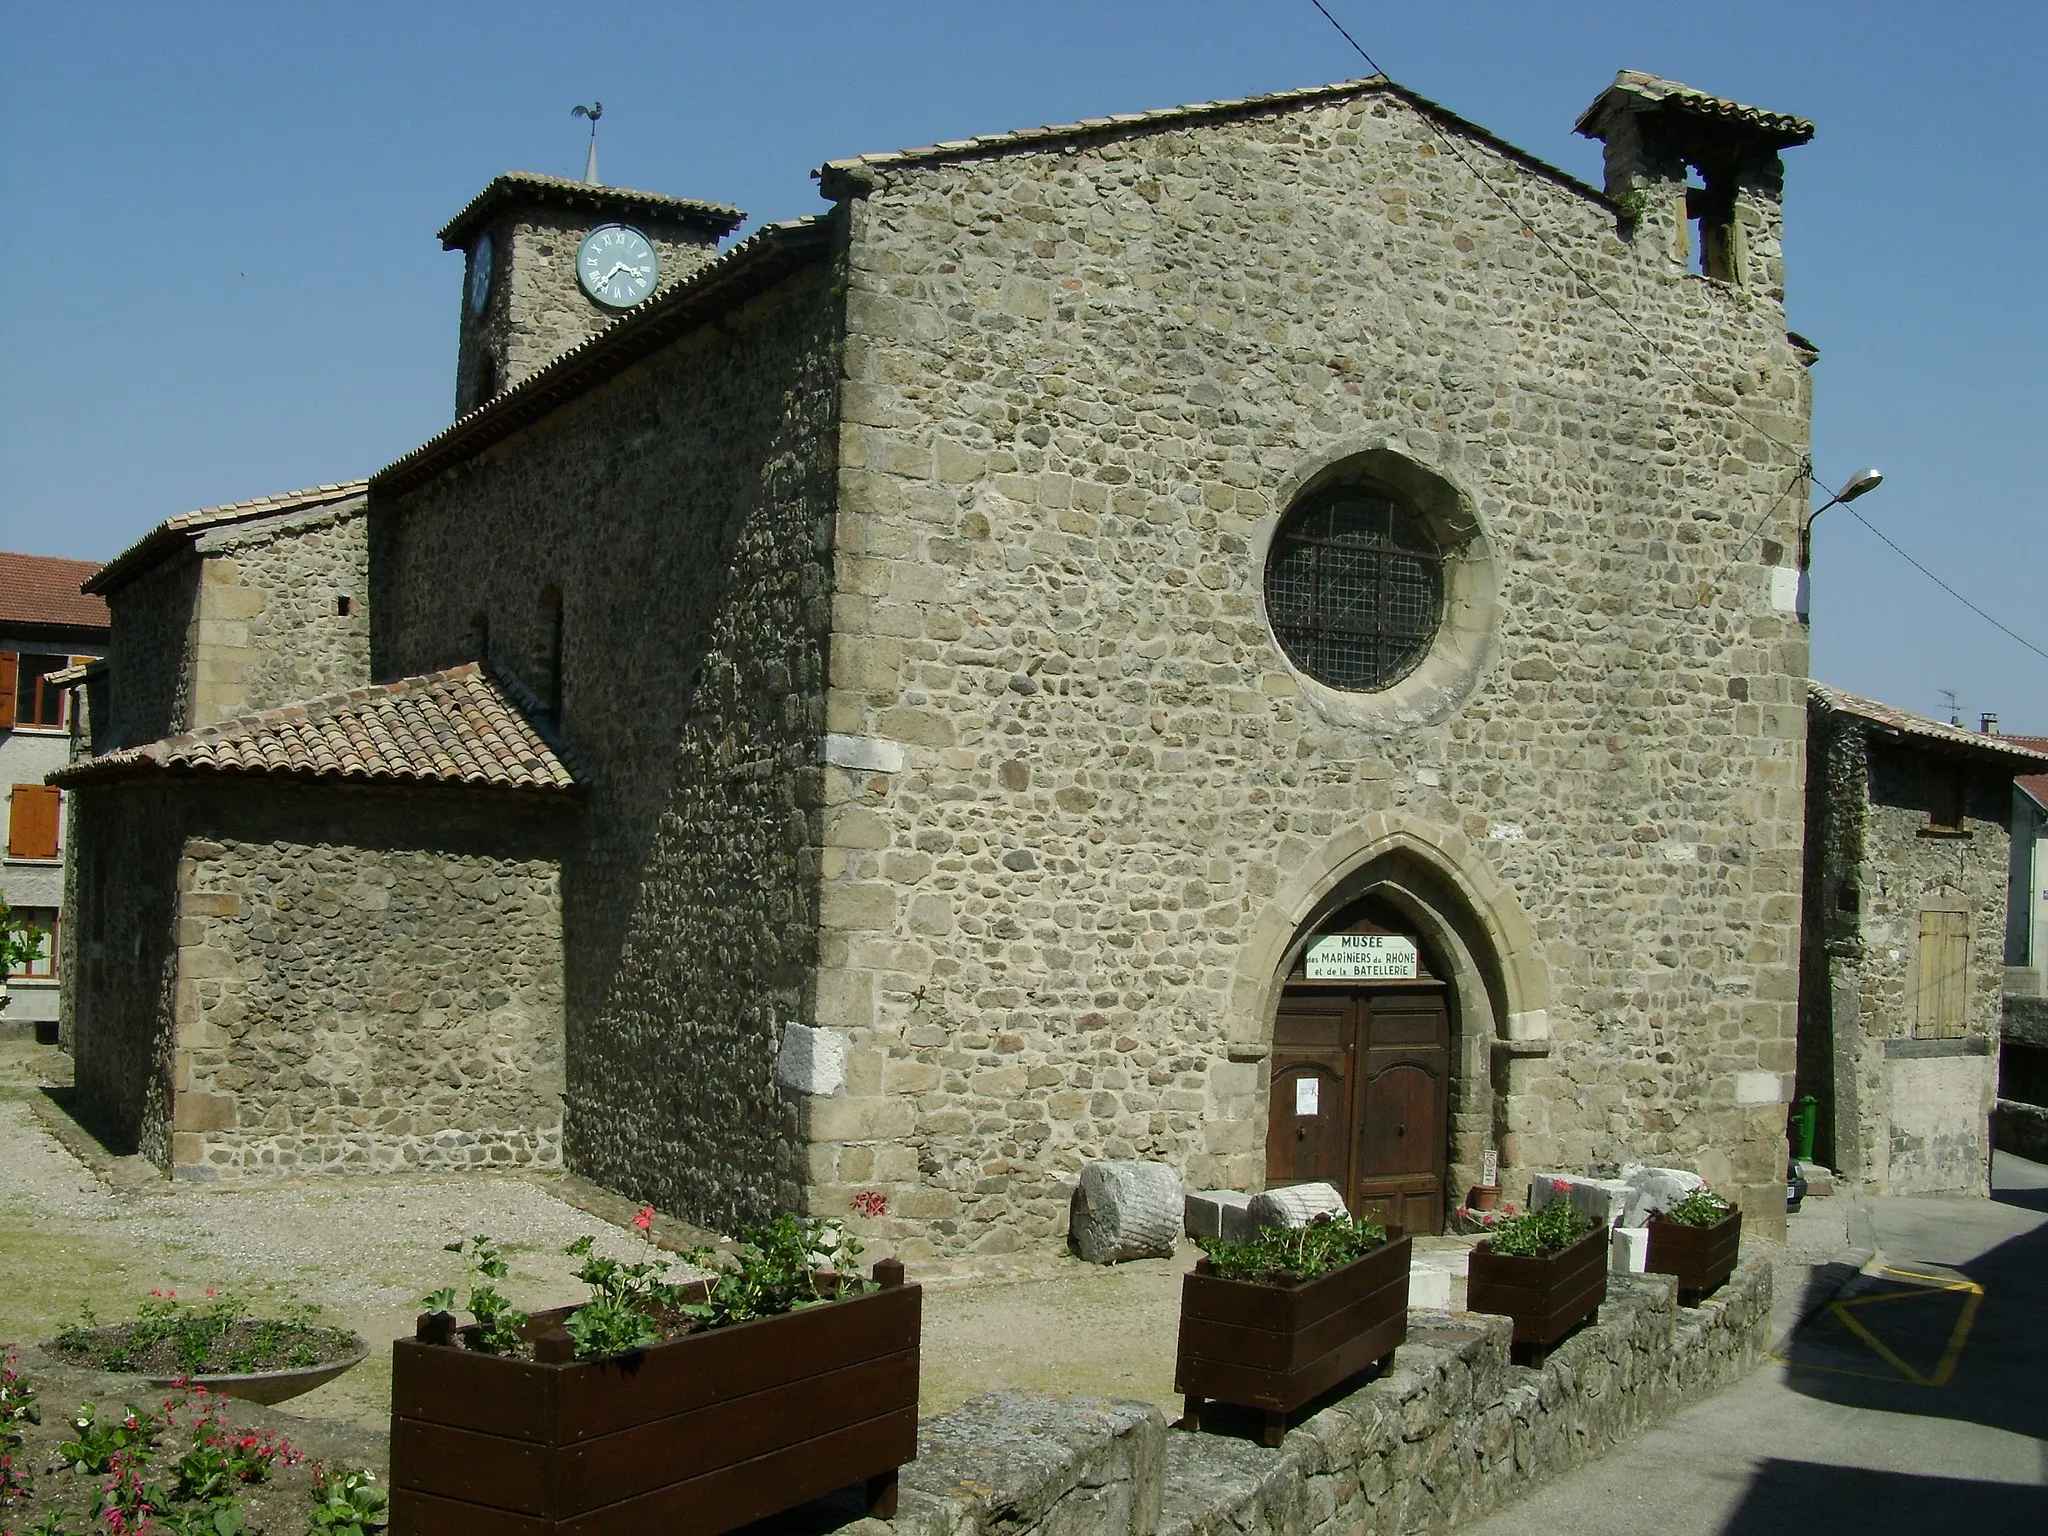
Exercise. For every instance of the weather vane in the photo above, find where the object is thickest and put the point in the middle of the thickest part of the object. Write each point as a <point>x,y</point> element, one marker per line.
<point>594,111</point>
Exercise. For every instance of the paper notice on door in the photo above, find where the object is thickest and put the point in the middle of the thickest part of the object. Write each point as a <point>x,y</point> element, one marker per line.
<point>1307,1095</point>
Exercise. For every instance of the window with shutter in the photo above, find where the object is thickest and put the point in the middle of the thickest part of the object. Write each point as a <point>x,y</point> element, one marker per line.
<point>9,668</point>
<point>1944,975</point>
<point>32,813</point>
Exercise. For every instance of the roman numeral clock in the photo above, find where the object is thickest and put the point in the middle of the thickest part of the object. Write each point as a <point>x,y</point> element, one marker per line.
<point>617,265</point>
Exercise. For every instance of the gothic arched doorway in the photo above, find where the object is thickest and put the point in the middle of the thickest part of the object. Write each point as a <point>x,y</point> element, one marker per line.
<point>1361,1068</point>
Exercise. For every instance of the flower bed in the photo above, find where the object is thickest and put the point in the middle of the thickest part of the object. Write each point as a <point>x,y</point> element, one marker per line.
<point>1272,1324</point>
<point>263,1359</point>
<point>179,1467</point>
<point>1546,1272</point>
<point>1698,1241</point>
<point>685,1408</point>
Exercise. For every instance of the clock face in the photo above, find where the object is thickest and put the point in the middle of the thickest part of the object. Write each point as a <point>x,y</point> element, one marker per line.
<point>617,266</point>
<point>480,261</point>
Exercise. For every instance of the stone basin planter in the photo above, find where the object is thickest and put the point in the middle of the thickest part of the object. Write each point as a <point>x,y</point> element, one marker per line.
<point>691,1437</point>
<point>1545,1295</point>
<point>276,1386</point>
<point>1701,1257</point>
<point>1273,1348</point>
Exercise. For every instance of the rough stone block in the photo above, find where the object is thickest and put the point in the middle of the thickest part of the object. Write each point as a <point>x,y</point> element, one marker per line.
<point>1025,1462</point>
<point>1125,1210</point>
<point>1655,1189</point>
<point>1218,1213</point>
<point>1295,1206</point>
<point>1602,1199</point>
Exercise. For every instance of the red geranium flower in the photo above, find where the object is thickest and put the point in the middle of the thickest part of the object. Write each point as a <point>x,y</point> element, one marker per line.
<point>644,1218</point>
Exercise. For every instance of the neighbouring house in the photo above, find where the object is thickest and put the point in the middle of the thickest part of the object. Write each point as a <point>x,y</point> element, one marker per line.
<point>1908,859</point>
<point>48,628</point>
<point>1260,635</point>
<point>2022,1120</point>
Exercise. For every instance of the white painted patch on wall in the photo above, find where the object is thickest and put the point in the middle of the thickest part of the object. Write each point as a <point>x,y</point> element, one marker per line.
<point>1759,1088</point>
<point>867,753</point>
<point>1507,832</point>
<point>1788,590</point>
<point>812,1061</point>
<point>1680,853</point>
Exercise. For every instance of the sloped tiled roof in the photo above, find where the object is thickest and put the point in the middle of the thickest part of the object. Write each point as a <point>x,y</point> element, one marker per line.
<point>173,531</point>
<point>42,592</point>
<point>719,219</point>
<point>1903,722</point>
<point>839,177</point>
<point>454,727</point>
<point>1777,128</point>
<point>2035,784</point>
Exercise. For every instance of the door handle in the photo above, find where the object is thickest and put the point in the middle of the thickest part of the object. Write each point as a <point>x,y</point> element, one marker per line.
<point>1401,1129</point>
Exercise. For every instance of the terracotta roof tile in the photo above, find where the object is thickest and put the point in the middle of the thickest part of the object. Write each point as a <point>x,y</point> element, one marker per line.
<point>1779,128</point>
<point>720,219</point>
<point>2035,784</point>
<point>152,546</point>
<point>460,726</point>
<point>41,590</point>
<point>1904,722</point>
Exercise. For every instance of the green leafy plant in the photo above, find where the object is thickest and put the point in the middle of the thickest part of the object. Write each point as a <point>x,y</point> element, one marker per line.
<point>1701,1208</point>
<point>216,1335</point>
<point>97,1441</point>
<point>1290,1255</point>
<point>619,1317</point>
<point>1633,204</point>
<point>1551,1230</point>
<point>498,1322</point>
<point>783,1267</point>
<point>19,943</point>
<point>347,1502</point>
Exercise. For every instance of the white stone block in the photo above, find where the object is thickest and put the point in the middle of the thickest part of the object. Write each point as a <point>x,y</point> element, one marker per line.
<point>1655,1189</point>
<point>1430,1288</point>
<point>1219,1213</point>
<point>867,753</point>
<point>1759,1088</point>
<point>1628,1250</point>
<point>813,1061</point>
<point>1296,1205</point>
<point>1125,1211</point>
<point>1602,1199</point>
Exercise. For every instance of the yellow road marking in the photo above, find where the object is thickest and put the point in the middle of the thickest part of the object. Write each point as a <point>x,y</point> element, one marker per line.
<point>1945,1368</point>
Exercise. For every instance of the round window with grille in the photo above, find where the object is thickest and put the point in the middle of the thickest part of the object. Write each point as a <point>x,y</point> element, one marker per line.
<point>1354,588</point>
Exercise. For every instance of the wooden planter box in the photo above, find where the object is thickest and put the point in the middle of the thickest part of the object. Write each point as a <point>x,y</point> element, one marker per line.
<point>1547,1295</point>
<point>1701,1257</point>
<point>689,1438</point>
<point>1273,1348</point>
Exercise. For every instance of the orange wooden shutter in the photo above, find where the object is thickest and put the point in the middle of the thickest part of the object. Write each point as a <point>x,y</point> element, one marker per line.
<point>32,822</point>
<point>10,667</point>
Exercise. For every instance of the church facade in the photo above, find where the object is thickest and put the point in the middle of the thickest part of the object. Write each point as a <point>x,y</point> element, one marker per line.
<point>1260,636</point>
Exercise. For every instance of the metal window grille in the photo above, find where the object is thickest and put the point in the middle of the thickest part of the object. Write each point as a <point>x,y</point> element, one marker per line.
<point>1354,588</point>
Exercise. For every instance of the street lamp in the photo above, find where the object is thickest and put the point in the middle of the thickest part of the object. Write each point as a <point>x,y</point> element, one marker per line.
<point>1864,480</point>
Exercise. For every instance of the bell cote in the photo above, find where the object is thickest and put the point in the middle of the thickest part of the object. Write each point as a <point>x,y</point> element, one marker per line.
<point>1698,177</point>
<point>549,263</point>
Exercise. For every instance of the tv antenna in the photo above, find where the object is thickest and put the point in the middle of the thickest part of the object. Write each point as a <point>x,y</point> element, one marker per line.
<point>594,111</point>
<point>1955,714</point>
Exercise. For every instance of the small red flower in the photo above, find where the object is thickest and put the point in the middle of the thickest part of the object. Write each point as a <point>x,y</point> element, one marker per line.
<point>1560,1186</point>
<point>869,1202</point>
<point>644,1218</point>
<point>211,1292</point>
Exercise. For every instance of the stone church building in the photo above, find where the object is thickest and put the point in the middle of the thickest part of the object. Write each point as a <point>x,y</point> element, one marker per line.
<point>1260,635</point>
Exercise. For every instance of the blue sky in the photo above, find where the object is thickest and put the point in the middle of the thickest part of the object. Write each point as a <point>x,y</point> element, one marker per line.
<point>218,276</point>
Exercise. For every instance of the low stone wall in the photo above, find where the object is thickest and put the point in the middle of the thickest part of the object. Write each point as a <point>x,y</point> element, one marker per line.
<point>1455,1430</point>
<point>2021,1129</point>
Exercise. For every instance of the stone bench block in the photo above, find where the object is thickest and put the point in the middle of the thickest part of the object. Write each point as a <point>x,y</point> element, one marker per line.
<point>1628,1250</point>
<point>1218,1213</point>
<point>1125,1210</point>
<point>1602,1199</point>
<point>1296,1205</point>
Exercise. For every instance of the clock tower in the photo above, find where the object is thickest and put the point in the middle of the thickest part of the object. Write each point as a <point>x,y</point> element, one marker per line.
<point>549,263</point>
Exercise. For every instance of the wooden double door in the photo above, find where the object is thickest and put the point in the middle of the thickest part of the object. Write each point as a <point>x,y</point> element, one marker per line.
<point>1361,1098</point>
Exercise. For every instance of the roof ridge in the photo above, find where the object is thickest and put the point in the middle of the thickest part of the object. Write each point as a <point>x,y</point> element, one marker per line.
<point>1908,722</point>
<point>144,550</point>
<point>497,188</point>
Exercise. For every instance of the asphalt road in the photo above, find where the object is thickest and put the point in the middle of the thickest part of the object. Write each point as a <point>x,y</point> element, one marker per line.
<point>1916,1402</point>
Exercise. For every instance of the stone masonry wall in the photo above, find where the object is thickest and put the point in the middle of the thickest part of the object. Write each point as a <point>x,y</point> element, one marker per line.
<point>682,510</point>
<point>151,654</point>
<point>1452,1432</point>
<point>1082,384</point>
<point>271,631</point>
<point>1926,1105</point>
<point>368,980</point>
<point>120,961</point>
<point>537,309</point>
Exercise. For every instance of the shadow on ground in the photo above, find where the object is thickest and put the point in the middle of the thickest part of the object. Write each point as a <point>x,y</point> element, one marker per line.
<point>1813,1496</point>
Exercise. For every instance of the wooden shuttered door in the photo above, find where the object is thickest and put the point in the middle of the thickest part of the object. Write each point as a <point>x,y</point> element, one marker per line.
<point>1944,975</point>
<point>10,669</point>
<point>32,812</point>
